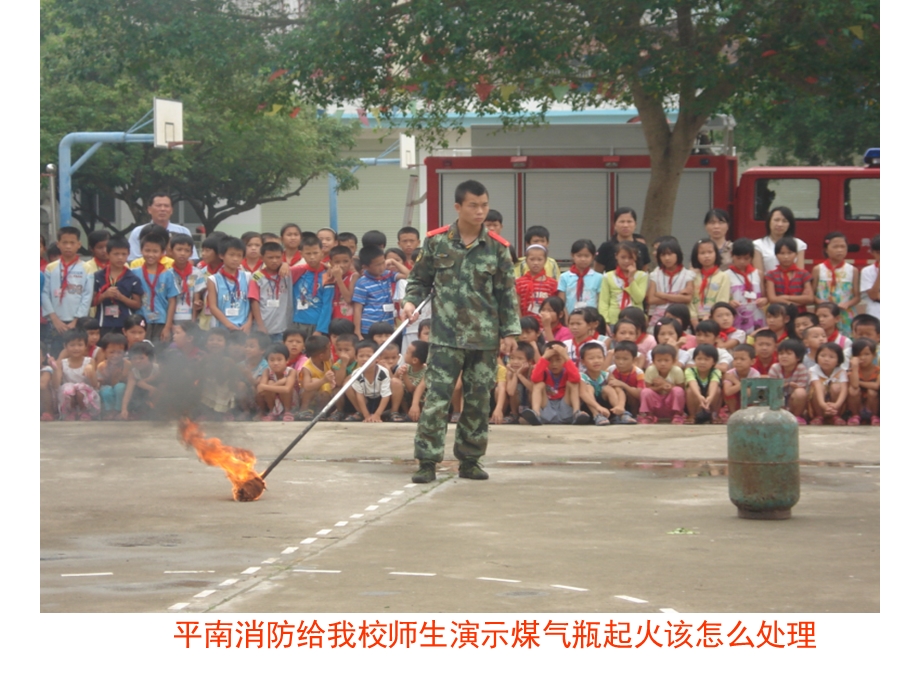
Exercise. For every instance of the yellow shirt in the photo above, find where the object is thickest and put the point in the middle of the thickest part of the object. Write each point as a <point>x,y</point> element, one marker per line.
<point>552,268</point>
<point>167,261</point>
<point>317,374</point>
<point>501,375</point>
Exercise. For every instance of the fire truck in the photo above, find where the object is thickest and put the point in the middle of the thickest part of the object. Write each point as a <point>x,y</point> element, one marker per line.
<point>574,196</point>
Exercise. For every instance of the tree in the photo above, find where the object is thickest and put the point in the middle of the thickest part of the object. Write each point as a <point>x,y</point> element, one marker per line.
<point>426,60</point>
<point>102,63</point>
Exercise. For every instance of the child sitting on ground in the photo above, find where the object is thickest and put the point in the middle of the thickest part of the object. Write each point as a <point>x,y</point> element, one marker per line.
<point>47,383</point>
<point>865,383</point>
<point>764,351</point>
<point>412,376</point>
<point>112,374</point>
<point>795,377</point>
<point>669,331</point>
<point>75,380</point>
<point>829,381</point>
<point>704,385</point>
<point>518,383</point>
<point>530,333</point>
<point>556,393</point>
<point>707,333</point>
<point>370,393</point>
<point>645,341</point>
<point>391,361</point>
<point>581,334</point>
<point>605,403</point>
<point>626,377</point>
<point>663,395</point>
<point>316,377</point>
<point>829,315</point>
<point>141,389</point>
<point>742,368</point>
<point>552,319</point>
<point>275,390</point>
<point>724,315</point>
<point>813,338</point>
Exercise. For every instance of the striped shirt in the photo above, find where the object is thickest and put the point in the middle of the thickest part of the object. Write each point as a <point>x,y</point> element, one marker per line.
<point>376,296</point>
<point>789,283</point>
<point>799,375</point>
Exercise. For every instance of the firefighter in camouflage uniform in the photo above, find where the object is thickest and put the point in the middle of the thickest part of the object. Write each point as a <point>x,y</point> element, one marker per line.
<point>474,316</point>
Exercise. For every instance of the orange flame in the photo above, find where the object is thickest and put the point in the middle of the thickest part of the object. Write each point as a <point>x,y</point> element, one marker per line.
<point>237,463</point>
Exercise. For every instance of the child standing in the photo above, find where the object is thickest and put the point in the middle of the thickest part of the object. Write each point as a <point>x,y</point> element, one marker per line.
<point>704,385</point>
<point>312,293</point>
<point>208,266</point>
<point>328,241</point>
<point>275,390</point>
<point>829,381</point>
<point>408,239</point>
<point>787,283</point>
<point>534,286</point>
<point>836,281</point>
<point>291,237</point>
<point>112,374</point>
<point>228,290</point>
<point>183,275</point>
<point>663,395</point>
<point>159,287</point>
<point>710,285</point>
<point>795,377</point>
<point>68,289</point>
<point>623,287</point>
<point>744,287</point>
<point>270,294</point>
<point>557,380</point>
<point>865,383</point>
<point>670,283</point>
<point>75,380</point>
<point>742,368</point>
<point>252,247</point>
<point>537,234</point>
<point>373,294</point>
<point>869,286</point>
<point>580,286</point>
<point>342,275</point>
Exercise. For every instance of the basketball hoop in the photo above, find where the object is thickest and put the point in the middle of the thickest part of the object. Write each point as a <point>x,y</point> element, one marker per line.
<point>167,124</point>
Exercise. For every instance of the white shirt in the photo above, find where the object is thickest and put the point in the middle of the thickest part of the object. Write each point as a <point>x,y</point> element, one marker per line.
<point>377,387</point>
<point>767,248</point>
<point>134,239</point>
<point>866,280</point>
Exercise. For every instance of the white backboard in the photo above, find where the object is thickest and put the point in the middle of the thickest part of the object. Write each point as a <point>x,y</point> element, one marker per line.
<point>167,123</point>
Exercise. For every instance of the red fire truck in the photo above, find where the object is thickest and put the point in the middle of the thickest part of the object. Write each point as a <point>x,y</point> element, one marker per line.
<point>575,196</point>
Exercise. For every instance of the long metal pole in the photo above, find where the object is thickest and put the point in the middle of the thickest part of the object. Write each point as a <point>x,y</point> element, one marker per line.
<point>345,386</point>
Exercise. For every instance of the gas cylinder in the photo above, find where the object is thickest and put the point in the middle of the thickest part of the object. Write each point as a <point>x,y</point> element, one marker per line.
<point>763,453</point>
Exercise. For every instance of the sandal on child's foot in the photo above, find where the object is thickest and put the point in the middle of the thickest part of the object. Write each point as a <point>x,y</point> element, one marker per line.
<point>398,417</point>
<point>601,420</point>
<point>645,418</point>
<point>304,416</point>
<point>875,421</point>
<point>356,417</point>
<point>270,418</point>
<point>854,420</point>
<point>801,421</point>
<point>581,417</point>
<point>287,417</point>
<point>509,420</point>
<point>817,421</point>
<point>626,418</point>
<point>678,419</point>
<point>838,421</point>
<point>48,417</point>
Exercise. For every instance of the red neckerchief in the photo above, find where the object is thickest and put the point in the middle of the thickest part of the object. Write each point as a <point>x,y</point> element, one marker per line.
<point>833,269</point>
<point>706,273</point>
<point>723,334</point>
<point>254,268</point>
<point>580,285</point>
<point>43,263</point>
<point>101,264</point>
<point>152,286</point>
<point>672,274</point>
<point>780,338</point>
<point>316,274</point>
<point>762,369</point>
<point>576,347</point>
<point>109,281</point>
<point>625,299</point>
<point>293,260</point>
<point>748,286</point>
<point>275,282</point>
<point>832,337</point>
<point>65,270</point>
<point>214,270</point>
<point>184,274</point>
<point>235,278</point>
<point>784,272</point>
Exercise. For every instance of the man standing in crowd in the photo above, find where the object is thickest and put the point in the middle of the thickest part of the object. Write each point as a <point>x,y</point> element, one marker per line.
<point>474,307</point>
<point>160,210</point>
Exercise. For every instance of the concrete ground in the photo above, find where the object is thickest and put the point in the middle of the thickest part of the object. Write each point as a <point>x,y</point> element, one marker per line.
<point>572,519</point>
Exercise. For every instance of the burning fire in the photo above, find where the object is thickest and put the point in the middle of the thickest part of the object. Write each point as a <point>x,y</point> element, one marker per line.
<point>238,463</point>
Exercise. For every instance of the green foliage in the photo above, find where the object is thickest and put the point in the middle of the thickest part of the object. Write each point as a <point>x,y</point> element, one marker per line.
<point>104,61</point>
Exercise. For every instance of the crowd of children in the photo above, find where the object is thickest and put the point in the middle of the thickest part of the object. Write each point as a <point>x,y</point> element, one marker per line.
<point>271,326</point>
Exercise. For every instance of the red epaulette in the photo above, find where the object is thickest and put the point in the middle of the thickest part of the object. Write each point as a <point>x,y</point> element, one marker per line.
<point>498,238</point>
<point>438,231</point>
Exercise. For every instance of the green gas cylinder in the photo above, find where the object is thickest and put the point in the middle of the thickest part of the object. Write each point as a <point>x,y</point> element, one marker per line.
<point>763,453</point>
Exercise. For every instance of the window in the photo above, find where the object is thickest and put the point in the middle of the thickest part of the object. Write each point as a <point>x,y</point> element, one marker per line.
<point>802,196</point>
<point>861,198</point>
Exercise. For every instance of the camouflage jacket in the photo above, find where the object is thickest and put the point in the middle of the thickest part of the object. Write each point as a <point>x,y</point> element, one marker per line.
<point>475,303</point>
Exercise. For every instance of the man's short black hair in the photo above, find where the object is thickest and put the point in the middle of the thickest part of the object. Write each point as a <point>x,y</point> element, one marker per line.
<point>469,187</point>
<point>158,194</point>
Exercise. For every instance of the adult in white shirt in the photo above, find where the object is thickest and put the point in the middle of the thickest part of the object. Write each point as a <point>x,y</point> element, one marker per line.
<point>780,223</point>
<point>160,210</point>
<point>869,286</point>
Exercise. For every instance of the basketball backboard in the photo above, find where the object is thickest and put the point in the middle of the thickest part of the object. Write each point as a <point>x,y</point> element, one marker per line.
<point>167,123</point>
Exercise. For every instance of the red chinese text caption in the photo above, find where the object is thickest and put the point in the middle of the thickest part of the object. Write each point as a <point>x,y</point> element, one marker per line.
<point>518,634</point>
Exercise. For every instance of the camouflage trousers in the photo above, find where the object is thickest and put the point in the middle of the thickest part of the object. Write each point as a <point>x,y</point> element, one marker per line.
<point>445,364</point>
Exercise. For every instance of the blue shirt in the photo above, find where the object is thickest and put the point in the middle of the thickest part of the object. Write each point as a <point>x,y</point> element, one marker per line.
<point>376,294</point>
<point>568,283</point>
<point>156,293</point>
<point>112,313</point>
<point>232,298</point>
<point>313,300</point>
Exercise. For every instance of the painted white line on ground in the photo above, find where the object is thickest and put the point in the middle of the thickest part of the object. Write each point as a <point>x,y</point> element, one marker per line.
<point>514,462</point>
<point>205,593</point>
<point>269,561</point>
<point>356,516</point>
<point>308,540</point>
<point>396,493</point>
<point>387,499</point>
<point>372,508</point>
<point>317,571</point>
<point>582,462</point>
<point>323,532</point>
<point>496,579</point>
<point>178,607</point>
<point>185,572</point>
<point>341,523</point>
<point>624,597</point>
<point>83,574</point>
<point>410,486</point>
<point>227,583</point>
<point>667,611</point>
<point>290,549</point>
<point>413,574</point>
<point>866,467</point>
<point>250,571</point>
<point>574,589</point>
